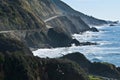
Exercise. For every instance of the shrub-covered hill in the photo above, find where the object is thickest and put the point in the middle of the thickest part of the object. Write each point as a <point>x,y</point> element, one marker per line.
<point>18,63</point>
<point>19,67</point>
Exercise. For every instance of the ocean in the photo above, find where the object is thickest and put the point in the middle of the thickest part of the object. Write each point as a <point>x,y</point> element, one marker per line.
<point>107,50</point>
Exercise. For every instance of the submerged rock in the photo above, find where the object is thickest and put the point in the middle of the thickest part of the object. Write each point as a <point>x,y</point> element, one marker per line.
<point>87,43</point>
<point>77,43</point>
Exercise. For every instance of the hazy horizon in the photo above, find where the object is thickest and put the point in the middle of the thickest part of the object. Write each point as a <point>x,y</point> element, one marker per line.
<point>102,9</point>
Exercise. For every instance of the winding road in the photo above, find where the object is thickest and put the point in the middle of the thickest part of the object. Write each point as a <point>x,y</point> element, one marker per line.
<point>50,18</point>
<point>46,20</point>
<point>4,31</point>
<point>20,31</point>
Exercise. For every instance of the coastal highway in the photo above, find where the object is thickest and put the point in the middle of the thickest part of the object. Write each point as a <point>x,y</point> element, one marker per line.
<point>46,20</point>
<point>8,31</point>
<point>53,17</point>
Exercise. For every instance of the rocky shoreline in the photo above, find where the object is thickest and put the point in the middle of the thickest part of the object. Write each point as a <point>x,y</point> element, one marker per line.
<point>17,63</point>
<point>38,24</point>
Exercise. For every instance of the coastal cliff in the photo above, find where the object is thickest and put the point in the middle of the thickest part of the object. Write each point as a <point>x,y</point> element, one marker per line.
<point>33,19</point>
<point>33,24</point>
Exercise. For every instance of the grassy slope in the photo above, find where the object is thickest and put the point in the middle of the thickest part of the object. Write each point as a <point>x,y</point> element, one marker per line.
<point>13,15</point>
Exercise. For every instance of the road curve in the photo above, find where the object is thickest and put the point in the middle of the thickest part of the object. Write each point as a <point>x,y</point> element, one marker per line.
<point>8,31</point>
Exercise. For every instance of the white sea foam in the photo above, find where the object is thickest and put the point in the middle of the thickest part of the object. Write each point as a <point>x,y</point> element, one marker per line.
<point>108,50</point>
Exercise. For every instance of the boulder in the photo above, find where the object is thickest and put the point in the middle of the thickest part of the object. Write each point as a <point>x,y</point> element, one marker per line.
<point>94,29</point>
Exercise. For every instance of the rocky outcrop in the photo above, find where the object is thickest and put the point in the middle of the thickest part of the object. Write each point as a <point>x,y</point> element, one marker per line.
<point>57,37</point>
<point>105,70</point>
<point>94,29</point>
<point>80,59</point>
<point>96,68</point>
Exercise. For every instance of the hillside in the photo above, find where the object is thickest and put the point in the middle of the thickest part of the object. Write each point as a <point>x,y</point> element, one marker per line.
<point>33,24</point>
<point>67,10</point>
<point>32,20</point>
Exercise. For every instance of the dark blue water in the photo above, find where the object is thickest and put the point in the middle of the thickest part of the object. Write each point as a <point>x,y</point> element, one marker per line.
<point>108,49</point>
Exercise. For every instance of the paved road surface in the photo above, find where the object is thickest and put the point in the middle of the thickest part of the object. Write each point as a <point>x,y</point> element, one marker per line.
<point>32,29</point>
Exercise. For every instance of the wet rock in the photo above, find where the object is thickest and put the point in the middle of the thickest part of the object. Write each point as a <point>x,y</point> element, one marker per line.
<point>94,29</point>
<point>80,59</point>
<point>87,43</point>
<point>76,42</point>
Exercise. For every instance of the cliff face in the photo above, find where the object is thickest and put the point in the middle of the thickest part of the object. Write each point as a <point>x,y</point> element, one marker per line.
<point>32,19</point>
